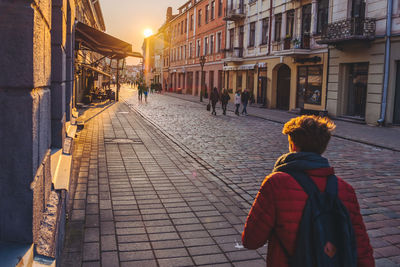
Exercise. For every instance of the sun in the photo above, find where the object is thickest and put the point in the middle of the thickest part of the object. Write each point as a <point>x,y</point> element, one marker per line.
<point>147,32</point>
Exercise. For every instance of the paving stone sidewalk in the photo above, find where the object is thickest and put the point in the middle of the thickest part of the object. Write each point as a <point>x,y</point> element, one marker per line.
<point>240,151</point>
<point>384,137</point>
<point>141,200</point>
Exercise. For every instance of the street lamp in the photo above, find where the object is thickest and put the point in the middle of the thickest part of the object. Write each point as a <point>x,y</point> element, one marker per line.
<point>202,62</point>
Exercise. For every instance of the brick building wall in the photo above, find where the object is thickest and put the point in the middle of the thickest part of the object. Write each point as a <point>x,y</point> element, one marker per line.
<point>198,30</point>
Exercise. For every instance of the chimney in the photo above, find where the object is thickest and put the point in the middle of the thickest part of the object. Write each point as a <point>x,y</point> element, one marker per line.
<point>169,13</point>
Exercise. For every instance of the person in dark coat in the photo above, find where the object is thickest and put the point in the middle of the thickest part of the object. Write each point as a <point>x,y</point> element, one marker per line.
<point>214,98</point>
<point>245,100</point>
<point>277,210</point>
<point>224,100</point>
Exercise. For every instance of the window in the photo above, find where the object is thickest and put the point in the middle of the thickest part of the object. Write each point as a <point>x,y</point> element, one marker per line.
<point>190,50</point>
<point>231,38</point>
<point>206,45</point>
<point>207,11</point>
<point>309,85</point>
<point>264,37</point>
<point>231,5</point>
<point>219,42</point>
<point>212,42</point>
<point>191,22</point>
<point>186,25</point>
<point>198,48</point>
<point>212,10</point>
<point>182,27</point>
<point>289,23</point>
<point>278,26</point>
<point>199,18</point>
<point>219,8</point>
<point>322,16</point>
<point>252,35</point>
<point>358,9</point>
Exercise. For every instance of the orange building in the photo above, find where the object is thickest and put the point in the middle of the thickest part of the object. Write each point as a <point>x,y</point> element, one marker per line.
<point>197,30</point>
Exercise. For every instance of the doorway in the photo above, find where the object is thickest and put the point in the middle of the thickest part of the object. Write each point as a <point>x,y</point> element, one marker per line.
<point>357,90</point>
<point>396,114</point>
<point>283,88</point>
<point>262,87</point>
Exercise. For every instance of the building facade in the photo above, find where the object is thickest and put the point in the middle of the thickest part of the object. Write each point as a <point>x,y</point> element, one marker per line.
<point>198,30</point>
<point>42,68</point>
<point>364,69</point>
<point>272,51</point>
<point>36,89</point>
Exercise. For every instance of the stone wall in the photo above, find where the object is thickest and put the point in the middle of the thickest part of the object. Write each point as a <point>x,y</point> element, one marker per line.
<point>35,101</point>
<point>24,114</point>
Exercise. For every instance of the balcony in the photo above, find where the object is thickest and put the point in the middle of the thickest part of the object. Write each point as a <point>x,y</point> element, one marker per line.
<point>234,55</point>
<point>292,47</point>
<point>236,15</point>
<point>344,31</point>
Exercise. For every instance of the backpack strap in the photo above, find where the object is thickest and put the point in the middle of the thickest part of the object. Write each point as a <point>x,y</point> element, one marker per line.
<point>332,185</point>
<point>305,181</point>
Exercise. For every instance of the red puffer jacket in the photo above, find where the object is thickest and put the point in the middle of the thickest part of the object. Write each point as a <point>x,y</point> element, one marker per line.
<point>277,211</point>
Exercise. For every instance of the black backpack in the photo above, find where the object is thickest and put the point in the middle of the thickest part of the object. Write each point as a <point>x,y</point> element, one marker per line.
<point>326,236</point>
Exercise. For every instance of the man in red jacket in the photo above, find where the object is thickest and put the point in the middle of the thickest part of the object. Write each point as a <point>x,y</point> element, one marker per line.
<point>277,210</point>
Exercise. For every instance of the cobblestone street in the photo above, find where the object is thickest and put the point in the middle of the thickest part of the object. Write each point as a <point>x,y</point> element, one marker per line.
<point>167,184</point>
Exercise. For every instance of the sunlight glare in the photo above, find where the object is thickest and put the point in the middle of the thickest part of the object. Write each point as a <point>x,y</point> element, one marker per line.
<point>147,32</point>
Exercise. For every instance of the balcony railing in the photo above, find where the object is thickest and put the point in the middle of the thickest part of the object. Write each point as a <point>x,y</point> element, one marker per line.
<point>348,30</point>
<point>235,14</point>
<point>235,54</point>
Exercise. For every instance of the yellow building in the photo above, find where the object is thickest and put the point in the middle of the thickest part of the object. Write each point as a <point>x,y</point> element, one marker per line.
<point>272,51</point>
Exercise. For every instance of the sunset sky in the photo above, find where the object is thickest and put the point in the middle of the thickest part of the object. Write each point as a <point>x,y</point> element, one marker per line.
<point>127,19</point>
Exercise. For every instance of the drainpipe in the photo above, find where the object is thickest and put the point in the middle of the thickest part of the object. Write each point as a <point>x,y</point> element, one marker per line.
<point>270,27</point>
<point>327,82</point>
<point>381,121</point>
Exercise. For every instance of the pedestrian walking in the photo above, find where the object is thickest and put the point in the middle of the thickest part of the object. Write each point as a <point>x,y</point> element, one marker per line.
<point>214,98</point>
<point>245,100</point>
<point>308,216</point>
<point>224,100</point>
<point>140,93</point>
<point>145,92</point>
<point>237,102</point>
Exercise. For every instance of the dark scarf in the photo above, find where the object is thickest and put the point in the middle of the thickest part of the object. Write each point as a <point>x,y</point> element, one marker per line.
<point>300,161</point>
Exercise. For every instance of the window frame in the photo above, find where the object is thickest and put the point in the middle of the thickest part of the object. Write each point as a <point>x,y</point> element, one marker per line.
<point>278,30</point>
<point>212,10</point>
<point>252,34</point>
<point>212,44</point>
<point>264,31</point>
<point>207,9</point>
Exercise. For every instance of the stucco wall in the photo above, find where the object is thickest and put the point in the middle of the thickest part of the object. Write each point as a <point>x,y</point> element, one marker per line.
<point>374,55</point>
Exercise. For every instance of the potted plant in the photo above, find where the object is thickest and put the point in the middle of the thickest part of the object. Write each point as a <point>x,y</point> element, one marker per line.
<point>296,43</point>
<point>286,43</point>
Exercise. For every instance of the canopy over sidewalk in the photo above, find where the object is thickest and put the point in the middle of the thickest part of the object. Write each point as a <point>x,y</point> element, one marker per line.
<point>102,43</point>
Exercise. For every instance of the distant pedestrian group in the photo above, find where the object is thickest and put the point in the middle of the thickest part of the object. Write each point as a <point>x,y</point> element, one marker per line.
<point>142,91</point>
<point>242,98</point>
<point>239,99</point>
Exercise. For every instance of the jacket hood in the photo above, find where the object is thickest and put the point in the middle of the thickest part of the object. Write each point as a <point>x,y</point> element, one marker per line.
<point>312,163</point>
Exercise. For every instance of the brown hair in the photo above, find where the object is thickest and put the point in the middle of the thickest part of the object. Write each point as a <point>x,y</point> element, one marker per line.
<point>310,133</point>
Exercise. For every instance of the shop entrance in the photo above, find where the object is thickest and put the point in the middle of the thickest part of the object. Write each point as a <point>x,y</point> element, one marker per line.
<point>283,88</point>
<point>396,114</point>
<point>357,90</point>
<point>262,87</point>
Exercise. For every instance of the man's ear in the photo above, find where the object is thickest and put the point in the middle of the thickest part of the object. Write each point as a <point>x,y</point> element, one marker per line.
<point>292,146</point>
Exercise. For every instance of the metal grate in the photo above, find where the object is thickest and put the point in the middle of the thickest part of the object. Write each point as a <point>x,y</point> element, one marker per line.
<point>135,141</point>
